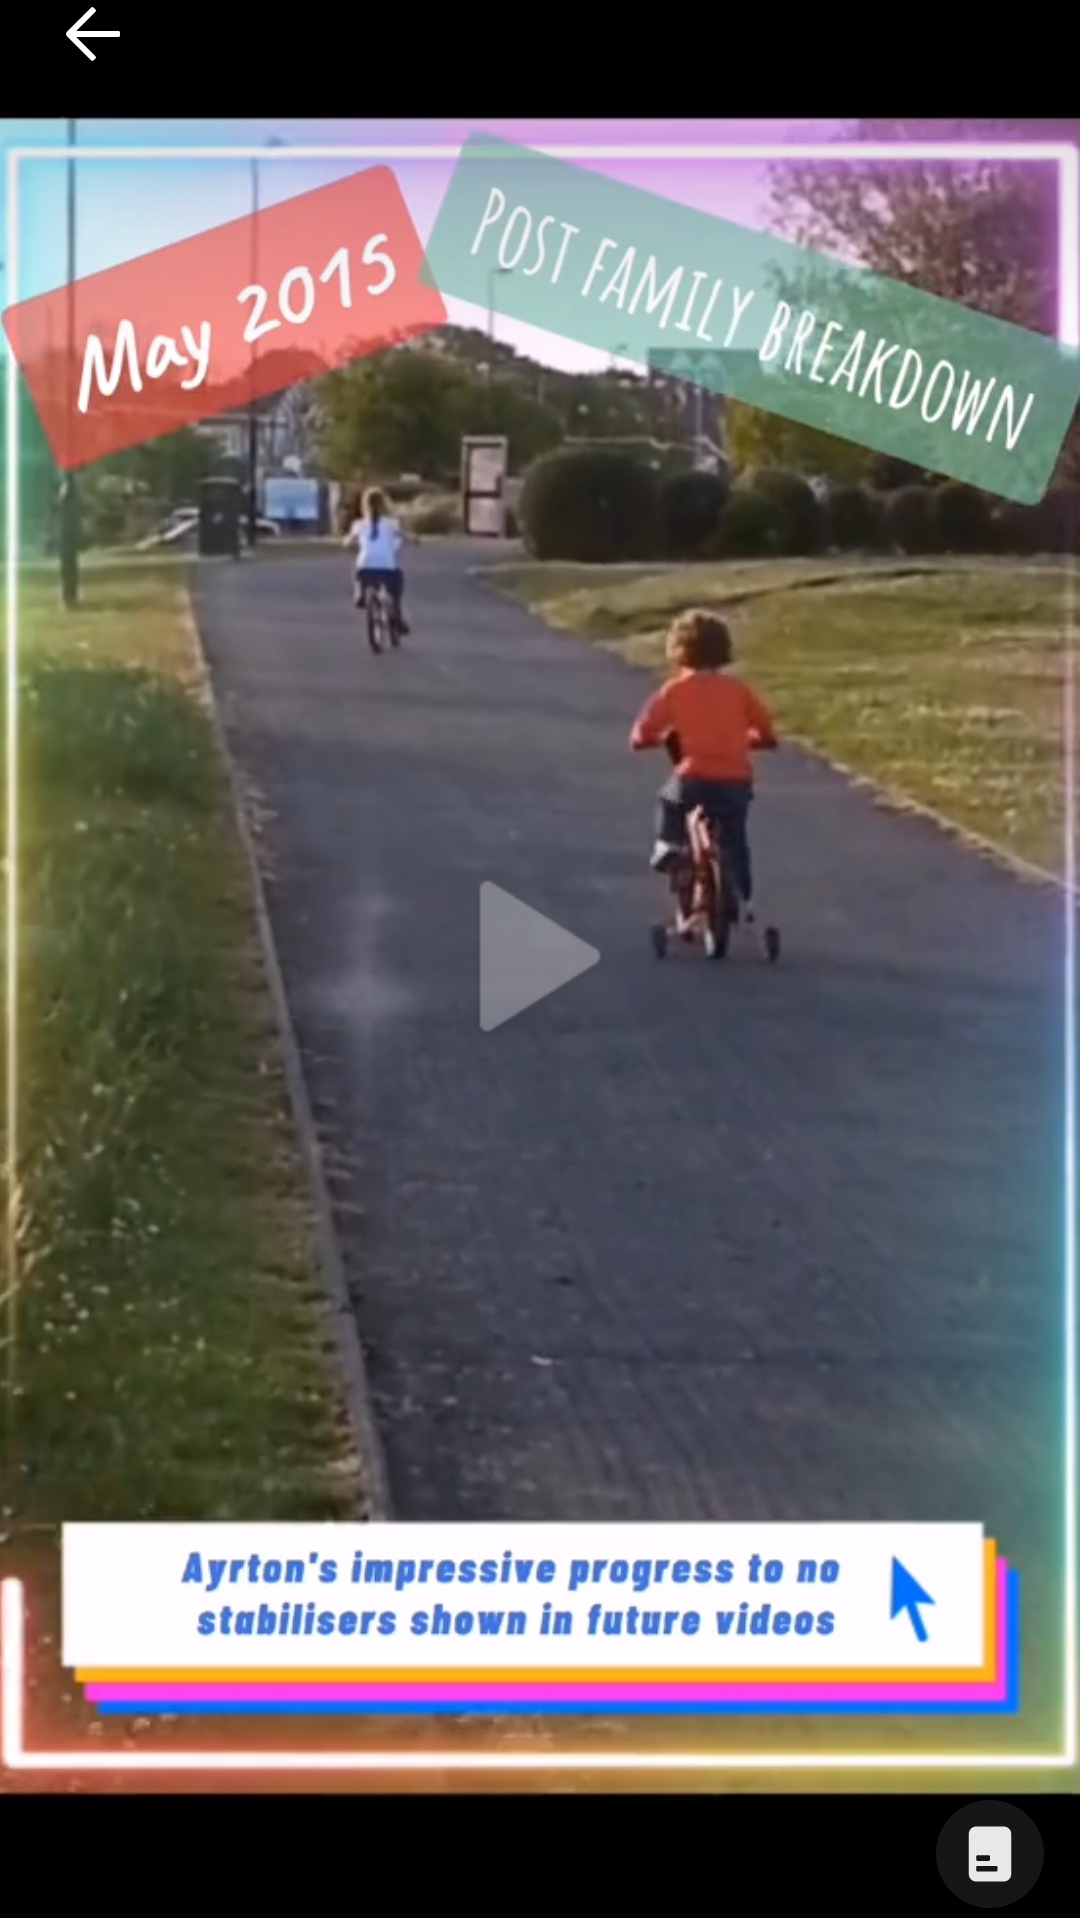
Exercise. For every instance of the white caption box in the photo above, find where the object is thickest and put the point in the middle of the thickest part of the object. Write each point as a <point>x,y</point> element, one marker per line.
<point>524,1597</point>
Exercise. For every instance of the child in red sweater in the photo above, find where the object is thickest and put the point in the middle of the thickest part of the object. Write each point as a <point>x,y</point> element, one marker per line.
<point>716,723</point>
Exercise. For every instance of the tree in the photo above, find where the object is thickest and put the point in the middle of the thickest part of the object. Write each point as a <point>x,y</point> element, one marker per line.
<point>394,412</point>
<point>405,411</point>
<point>121,493</point>
<point>39,475</point>
<point>981,233</point>
<point>756,438</point>
<point>171,468</point>
<point>501,406</point>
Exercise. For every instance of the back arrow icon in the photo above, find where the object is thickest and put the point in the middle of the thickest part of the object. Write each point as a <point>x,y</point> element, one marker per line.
<point>907,1596</point>
<point>76,35</point>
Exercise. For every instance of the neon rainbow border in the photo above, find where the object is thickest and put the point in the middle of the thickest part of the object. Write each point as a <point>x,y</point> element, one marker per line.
<point>13,1752</point>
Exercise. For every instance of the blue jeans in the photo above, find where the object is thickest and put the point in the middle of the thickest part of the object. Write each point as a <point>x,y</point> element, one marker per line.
<point>727,801</point>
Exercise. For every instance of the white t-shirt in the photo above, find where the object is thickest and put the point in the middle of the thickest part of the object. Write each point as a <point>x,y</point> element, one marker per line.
<point>376,548</point>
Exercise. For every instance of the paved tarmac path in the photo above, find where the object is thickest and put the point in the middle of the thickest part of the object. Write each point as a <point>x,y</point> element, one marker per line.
<point>683,1241</point>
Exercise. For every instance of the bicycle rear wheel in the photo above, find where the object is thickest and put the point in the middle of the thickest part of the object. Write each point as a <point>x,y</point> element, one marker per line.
<point>376,621</point>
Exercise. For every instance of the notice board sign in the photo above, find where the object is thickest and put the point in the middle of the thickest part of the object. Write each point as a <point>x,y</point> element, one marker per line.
<point>485,461</point>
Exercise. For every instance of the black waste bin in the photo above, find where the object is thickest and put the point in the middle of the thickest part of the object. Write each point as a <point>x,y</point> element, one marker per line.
<point>221,506</point>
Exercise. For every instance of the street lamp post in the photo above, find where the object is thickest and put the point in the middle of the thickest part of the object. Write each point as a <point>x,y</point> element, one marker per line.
<point>69,496</point>
<point>253,408</point>
<point>496,273</point>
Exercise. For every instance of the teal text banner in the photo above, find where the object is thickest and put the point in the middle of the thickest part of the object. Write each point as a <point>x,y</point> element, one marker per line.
<point>868,360</point>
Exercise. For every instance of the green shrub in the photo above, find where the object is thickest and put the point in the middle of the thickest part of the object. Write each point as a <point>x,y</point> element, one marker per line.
<point>1059,519</point>
<point>1052,526</point>
<point>690,505</point>
<point>799,513</point>
<point>908,520</point>
<point>403,492</point>
<point>855,519</point>
<point>107,525</point>
<point>961,520</point>
<point>1017,529</point>
<point>590,505</point>
<point>749,526</point>
<point>438,516</point>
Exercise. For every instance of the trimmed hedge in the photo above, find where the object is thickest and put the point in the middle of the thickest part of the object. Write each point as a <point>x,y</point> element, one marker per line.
<point>590,505</point>
<point>403,492</point>
<point>909,521</point>
<point>690,506</point>
<point>749,527</point>
<point>855,520</point>
<point>1053,526</point>
<point>596,505</point>
<point>961,520</point>
<point>800,517</point>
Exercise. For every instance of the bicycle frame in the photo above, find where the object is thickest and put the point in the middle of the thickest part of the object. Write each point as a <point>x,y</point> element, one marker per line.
<point>705,904</point>
<point>378,604</point>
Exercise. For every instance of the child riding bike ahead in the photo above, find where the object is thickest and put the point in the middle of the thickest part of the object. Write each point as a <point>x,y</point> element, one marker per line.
<point>378,540</point>
<point>717,722</point>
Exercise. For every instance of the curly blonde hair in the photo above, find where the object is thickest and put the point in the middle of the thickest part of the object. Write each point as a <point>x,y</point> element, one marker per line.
<point>699,642</point>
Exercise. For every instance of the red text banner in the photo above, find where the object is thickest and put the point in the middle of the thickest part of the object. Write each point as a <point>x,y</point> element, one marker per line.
<point>239,312</point>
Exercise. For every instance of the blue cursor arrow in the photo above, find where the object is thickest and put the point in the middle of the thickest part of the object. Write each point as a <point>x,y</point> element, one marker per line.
<point>907,1596</point>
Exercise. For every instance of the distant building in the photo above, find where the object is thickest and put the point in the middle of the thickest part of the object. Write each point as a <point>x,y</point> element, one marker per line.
<point>286,429</point>
<point>230,431</point>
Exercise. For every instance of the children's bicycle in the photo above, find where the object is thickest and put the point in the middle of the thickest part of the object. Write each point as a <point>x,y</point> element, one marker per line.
<point>707,905</point>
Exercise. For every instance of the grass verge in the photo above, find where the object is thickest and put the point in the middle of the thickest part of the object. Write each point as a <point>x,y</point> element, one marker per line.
<point>940,682</point>
<point>173,1356</point>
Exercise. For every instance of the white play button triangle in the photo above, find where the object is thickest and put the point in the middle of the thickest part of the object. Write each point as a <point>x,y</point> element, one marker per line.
<point>523,957</point>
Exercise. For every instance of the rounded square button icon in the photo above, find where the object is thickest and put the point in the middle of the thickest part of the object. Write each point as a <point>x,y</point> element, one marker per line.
<point>990,1854</point>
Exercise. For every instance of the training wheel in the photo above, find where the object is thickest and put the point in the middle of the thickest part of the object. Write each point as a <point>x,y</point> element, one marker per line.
<point>659,941</point>
<point>772,944</point>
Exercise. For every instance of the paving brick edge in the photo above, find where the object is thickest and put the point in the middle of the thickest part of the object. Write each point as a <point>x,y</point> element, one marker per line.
<point>358,1400</point>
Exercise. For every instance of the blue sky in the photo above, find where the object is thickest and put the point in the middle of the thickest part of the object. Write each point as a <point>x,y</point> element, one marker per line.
<point>128,207</point>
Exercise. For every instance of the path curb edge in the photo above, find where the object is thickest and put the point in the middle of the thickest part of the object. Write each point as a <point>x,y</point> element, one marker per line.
<point>331,1263</point>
